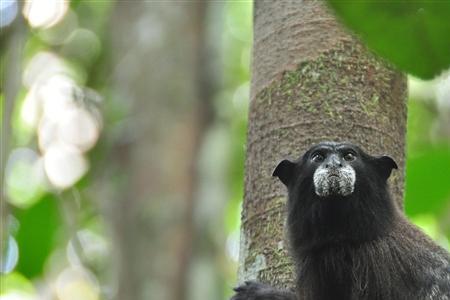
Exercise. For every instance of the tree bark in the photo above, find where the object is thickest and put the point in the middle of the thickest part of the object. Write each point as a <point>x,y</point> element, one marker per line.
<point>312,81</point>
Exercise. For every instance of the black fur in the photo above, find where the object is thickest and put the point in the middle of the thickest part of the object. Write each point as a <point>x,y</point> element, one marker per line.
<point>359,246</point>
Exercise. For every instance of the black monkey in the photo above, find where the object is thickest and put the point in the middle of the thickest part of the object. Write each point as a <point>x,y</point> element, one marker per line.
<point>348,238</point>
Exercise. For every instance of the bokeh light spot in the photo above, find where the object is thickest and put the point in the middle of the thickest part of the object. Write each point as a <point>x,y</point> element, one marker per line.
<point>31,108</point>
<point>44,14</point>
<point>64,165</point>
<point>79,128</point>
<point>76,284</point>
<point>15,286</point>
<point>25,180</point>
<point>57,95</point>
<point>8,12</point>
<point>443,92</point>
<point>42,66</point>
<point>10,255</point>
<point>58,34</point>
<point>83,45</point>
<point>94,246</point>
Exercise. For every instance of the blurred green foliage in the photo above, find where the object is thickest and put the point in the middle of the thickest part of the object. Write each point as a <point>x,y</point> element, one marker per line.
<point>14,282</point>
<point>37,235</point>
<point>428,178</point>
<point>427,195</point>
<point>236,64</point>
<point>411,34</point>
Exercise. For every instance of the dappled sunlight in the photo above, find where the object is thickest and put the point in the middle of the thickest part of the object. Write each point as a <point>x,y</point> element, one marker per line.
<point>57,96</point>
<point>78,128</point>
<point>443,91</point>
<point>64,165</point>
<point>76,283</point>
<point>47,134</point>
<point>437,89</point>
<point>66,127</point>
<point>41,66</point>
<point>8,12</point>
<point>241,97</point>
<point>75,45</point>
<point>44,14</point>
<point>433,98</point>
<point>15,286</point>
<point>17,295</point>
<point>55,123</point>
<point>429,224</point>
<point>9,255</point>
<point>421,89</point>
<point>232,246</point>
<point>25,178</point>
<point>59,34</point>
<point>31,108</point>
<point>95,249</point>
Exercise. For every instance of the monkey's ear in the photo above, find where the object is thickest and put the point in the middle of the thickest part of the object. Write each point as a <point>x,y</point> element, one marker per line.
<point>385,164</point>
<point>284,171</point>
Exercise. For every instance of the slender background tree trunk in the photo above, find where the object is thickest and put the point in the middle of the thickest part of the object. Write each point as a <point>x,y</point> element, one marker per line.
<point>312,81</point>
<point>162,74</point>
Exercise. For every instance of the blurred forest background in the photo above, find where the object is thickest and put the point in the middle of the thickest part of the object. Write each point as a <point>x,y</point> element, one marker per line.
<point>122,148</point>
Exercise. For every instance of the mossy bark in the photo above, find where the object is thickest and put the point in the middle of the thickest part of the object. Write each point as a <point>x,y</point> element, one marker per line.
<point>312,81</point>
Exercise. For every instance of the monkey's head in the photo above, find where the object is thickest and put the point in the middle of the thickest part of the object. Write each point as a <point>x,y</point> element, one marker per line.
<point>337,192</point>
<point>334,170</point>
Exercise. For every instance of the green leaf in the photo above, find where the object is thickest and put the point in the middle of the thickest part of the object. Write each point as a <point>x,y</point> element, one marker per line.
<point>414,35</point>
<point>427,181</point>
<point>16,282</point>
<point>25,178</point>
<point>36,235</point>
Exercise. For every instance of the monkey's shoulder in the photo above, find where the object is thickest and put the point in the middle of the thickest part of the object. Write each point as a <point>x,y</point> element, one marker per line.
<point>430,262</point>
<point>404,264</point>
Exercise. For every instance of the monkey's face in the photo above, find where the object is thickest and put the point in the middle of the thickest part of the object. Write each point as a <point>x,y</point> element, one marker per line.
<point>334,173</point>
<point>333,170</point>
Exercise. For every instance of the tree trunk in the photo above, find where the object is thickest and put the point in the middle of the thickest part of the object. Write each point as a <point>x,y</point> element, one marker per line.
<point>162,74</point>
<point>312,81</point>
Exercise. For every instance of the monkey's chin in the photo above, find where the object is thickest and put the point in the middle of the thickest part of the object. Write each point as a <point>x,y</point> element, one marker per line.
<point>332,194</point>
<point>333,187</point>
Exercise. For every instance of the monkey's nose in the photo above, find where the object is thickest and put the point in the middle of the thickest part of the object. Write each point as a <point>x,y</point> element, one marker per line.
<point>333,162</point>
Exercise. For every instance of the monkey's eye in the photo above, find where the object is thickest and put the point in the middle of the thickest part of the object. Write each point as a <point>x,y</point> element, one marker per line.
<point>349,156</point>
<point>318,157</point>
